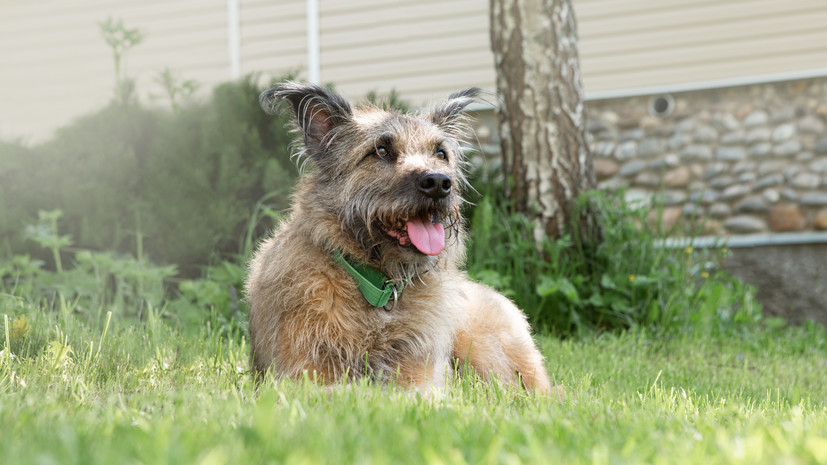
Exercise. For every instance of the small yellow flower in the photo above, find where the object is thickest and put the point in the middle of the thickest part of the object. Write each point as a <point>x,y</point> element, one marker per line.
<point>20,328</point>
<point>704,274</point>
<point>631,278</point>
<point>688,262</point>
<point>688,250</point>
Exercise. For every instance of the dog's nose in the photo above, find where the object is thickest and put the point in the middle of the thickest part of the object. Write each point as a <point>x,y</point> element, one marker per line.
<point>434,185</point>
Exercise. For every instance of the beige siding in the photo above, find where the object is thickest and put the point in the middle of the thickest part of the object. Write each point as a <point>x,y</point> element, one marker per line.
<point>273,37</point>
<point>56,66</point>
<point>427,49</point>
<point>649,43</point>
<point>423,49</point>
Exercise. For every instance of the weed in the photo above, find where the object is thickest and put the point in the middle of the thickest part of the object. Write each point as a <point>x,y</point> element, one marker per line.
<point>120,40</point>
<point>626,280</point>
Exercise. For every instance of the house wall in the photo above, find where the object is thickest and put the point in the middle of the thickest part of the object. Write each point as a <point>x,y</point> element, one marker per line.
<point>56,66</point>
<point>640,44</point>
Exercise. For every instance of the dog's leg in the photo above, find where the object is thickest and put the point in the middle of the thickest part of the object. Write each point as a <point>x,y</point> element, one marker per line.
<point>427,378</point>
<point>496,341</point>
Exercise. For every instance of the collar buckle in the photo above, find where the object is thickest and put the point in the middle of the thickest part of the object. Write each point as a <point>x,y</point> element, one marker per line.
<point>395,290</point>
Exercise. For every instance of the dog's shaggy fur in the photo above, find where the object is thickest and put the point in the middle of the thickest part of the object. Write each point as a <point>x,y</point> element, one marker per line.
<point>379,179</point>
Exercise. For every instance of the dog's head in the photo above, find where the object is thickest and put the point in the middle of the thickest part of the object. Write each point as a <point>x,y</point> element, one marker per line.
<point>393,181</point>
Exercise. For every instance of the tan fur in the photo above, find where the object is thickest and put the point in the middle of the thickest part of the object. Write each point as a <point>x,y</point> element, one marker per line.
<point>306,312</point>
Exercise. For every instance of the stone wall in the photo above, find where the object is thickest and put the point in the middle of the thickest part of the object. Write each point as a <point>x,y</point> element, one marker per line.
<point>731,161</point>
<point>789,278</point>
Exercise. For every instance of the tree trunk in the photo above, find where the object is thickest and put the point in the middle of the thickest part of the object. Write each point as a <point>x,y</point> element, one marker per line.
<point>541,114</point>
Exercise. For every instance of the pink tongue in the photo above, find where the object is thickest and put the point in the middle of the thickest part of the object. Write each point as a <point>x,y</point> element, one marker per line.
<point>426,236</point>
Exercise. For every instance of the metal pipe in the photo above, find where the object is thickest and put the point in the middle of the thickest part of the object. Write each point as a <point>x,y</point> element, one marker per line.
<point>313,48</point>
<point>751,240</point>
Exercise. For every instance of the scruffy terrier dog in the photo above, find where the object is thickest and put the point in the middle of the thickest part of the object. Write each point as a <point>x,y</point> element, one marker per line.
<point>363,278</point>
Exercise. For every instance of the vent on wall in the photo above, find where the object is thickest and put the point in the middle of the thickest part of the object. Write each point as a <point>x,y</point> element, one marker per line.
<point>661,105</point>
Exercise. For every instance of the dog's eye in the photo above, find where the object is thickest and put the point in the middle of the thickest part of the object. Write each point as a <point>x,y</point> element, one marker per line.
<point>440,154</point>
<point>381,152</point>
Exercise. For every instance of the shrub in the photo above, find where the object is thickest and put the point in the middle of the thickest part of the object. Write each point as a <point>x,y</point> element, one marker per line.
<point>182,183</point>
<point>629,279</point>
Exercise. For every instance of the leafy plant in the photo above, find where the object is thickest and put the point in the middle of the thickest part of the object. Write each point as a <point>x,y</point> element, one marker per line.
<point>629,279</point>
<point>45,233</point>
<point>176,89</point>
<point>120,39</point>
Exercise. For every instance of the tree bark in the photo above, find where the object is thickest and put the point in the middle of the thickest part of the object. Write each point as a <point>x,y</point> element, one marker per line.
<point>541,114</point>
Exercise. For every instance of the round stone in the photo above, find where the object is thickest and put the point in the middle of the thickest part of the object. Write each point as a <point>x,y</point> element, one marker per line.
<point>725,122</point>
<point>756,118</point>
<point>816,199</point>
<point>820,221</point>
<point>745,224</point>
<point>648,179</point>
<point>821,146</point>
<point>706,134</point>
<point>806,180</point>
<point>638,198</point>
<point>679,141</point>
<point>696,152</point>
<point>704,197</point>
<point>734,192</point>
<point>811,125</point>
<point>632,168</point>
<point>634,134</point>
<point>783,132</point>
<point>771,166</point>
<point>782,115</point>
<point>670,197</point>
<point>605,168</point>
<point>760,150</point>
<point>651,147</point>
<point>677,177</point>
<point>743,166</point>
<point>731,154</point>
<point>747,177</point>
<point>758,135</point>
<point>733,138</point>
<point>719,210</point>
<point>752,204</point>
<point>604,149</point>
<point>686,125</point>
<point>722,182</point>
<point>714,169</point>
<point>771,195</point>
<point>819,165</point>
<point>769,181</point>
<point>626,150</point>
<point>789,194</point>
<point>787,217</point>
<point>785,149</point>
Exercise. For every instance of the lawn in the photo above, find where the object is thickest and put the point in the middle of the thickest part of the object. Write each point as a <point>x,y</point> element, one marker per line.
<point>76,390</point>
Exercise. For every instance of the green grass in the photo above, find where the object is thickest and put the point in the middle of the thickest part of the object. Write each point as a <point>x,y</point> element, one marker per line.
<point>153,394</point>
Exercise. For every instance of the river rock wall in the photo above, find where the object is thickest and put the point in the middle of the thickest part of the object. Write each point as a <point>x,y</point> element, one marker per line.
<point>740,160</point>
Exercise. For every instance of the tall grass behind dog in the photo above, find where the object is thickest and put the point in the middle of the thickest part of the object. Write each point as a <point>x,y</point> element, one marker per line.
<point>382,200</point>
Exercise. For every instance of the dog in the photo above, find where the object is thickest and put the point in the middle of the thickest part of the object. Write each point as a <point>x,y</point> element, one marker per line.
<point>364,276</point>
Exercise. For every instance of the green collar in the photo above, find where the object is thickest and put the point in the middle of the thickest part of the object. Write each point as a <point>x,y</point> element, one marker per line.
<point>374,285</point>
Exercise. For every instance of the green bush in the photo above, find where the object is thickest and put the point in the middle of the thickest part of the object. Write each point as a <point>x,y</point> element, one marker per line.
<point>629,279</point>
<point>184,183</point>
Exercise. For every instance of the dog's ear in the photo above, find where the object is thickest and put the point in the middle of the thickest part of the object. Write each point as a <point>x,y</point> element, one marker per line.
<point>316,110</point>
<point>449,114</point>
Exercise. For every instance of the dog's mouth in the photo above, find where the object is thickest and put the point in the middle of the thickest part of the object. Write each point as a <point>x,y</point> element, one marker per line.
<point>424,232</point>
